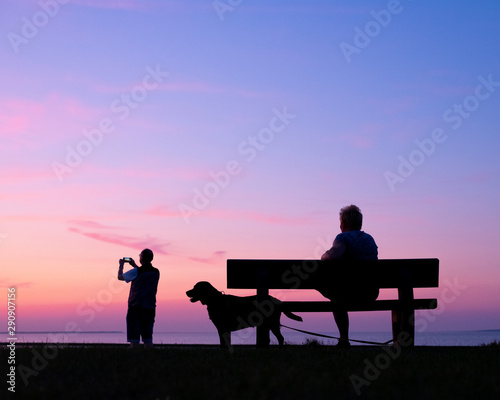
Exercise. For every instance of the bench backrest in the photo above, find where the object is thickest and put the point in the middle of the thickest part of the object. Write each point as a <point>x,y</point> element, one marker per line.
<point>309,274</point>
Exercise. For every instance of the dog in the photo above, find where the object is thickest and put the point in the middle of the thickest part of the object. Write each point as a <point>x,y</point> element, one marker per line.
<point>231,313</point>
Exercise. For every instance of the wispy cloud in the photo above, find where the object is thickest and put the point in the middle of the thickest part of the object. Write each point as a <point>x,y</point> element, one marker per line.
<point>8,283</point>
<point>305,8</point>
<point>237,215</point>
<point>275,219</point>
<point>215,258</point>
<point>18,114</point>
<point>161,210</point>
<point>89,224</point>
<point>137,243</point>
<point>479,177</point>
<point>186,86</point>
<point>26,123</point>
<point>114,4</point>
<point>203,87</point>
<point>21,173</point>
<point>363,136</point>
<point>154,169</point>
<point>392,106</point>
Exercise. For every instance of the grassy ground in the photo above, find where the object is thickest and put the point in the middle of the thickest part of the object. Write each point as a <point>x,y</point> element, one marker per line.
<point>294,372</point>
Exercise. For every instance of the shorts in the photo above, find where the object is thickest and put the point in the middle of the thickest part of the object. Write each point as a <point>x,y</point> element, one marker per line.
<point>353,296</point>
<point>140,323</point>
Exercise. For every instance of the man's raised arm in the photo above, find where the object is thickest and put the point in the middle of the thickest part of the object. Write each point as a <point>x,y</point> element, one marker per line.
<point>120,270</point>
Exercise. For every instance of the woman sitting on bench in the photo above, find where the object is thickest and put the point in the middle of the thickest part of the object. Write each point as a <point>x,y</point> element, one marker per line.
<point>351,244</point>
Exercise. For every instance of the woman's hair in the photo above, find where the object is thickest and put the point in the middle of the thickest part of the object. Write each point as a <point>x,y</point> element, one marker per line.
<point>351,217</point>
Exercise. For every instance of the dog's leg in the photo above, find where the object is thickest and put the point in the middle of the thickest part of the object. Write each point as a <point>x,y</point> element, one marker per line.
<point>275,329</point>
<point>225,339</point>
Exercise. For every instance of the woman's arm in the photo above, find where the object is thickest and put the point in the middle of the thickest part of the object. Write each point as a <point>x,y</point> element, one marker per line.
<point>337,250</point>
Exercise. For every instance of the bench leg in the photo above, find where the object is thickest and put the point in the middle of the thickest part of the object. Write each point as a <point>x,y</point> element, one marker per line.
<point>263,339</point>
<point>403,328</point>
<point>262,294</point>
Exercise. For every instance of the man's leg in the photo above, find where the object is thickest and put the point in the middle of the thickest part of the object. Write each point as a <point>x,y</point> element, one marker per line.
<point>133,328</point>
<point>342,320</point>
<point>147,323</point>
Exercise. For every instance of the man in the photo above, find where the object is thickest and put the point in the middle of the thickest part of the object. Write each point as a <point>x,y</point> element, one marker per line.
<point>351,244</point>
<point>142,298</point>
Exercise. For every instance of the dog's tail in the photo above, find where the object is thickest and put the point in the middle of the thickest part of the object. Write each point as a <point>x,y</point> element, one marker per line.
<point>292,316</point>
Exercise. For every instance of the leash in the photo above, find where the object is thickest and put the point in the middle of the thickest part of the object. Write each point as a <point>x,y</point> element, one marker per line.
<point>333,337</point>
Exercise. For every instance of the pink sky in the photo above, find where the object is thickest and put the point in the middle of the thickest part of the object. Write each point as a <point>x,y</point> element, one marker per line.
<point>116,120</point>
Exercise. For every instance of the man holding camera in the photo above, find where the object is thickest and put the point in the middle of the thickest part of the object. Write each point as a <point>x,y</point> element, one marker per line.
<point>142,298</point>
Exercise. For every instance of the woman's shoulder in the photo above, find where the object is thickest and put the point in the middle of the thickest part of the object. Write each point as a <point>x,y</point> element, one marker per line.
<point>353,235</point>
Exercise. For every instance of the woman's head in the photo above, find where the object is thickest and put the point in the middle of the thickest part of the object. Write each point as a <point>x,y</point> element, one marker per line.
<point>351,218</point>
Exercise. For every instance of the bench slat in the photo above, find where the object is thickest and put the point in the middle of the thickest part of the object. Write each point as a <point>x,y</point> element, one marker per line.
<point>379,305</point>
<point>307,274</point>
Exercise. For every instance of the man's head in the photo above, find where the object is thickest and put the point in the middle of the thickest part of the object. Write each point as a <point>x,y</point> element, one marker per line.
<point>146,256</point>
<point>351,218</point>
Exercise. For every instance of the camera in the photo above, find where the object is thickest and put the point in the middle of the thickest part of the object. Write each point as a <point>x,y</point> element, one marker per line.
<point>127,259</point>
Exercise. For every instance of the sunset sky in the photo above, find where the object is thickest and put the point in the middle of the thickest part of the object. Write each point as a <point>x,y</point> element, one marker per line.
<point>208,130</point>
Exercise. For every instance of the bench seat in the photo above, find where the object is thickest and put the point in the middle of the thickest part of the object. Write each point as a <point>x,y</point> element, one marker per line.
<point>378,305</point>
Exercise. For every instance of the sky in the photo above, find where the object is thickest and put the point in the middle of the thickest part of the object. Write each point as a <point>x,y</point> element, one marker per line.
<point>210,130</point>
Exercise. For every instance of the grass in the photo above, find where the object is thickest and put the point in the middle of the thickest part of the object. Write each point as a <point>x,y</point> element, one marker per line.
<point>308,371</point>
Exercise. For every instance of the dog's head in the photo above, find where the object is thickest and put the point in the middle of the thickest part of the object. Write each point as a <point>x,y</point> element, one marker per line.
<point>202,292</point>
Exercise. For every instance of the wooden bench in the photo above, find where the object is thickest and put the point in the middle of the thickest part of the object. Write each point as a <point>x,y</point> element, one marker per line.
<point>401,274</point>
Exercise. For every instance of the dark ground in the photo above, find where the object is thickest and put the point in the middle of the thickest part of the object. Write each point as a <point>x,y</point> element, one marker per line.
<point>294,372</point>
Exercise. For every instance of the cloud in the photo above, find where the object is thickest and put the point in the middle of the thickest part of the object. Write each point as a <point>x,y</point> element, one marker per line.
<point>89,224</point>
<point>215,258</point>
<point>22,173</point>
<point>18,115</point>
<point>112,4</point>
<point>10,284</point>
<point>161,210</point>
<point>203,87</point>
<point>143,5</point>
<point>304,8</point>
<point>237,215</point>
<point>267,218</point>
<point>392,106</point>
<point>29,124</point>
<point>136,243</point>
<point>479,177</point>
<point>184,86</point>
<point>364,136</point>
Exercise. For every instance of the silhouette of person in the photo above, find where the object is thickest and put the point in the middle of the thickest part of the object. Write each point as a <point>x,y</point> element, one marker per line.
<point>350,244</point>
<point>142,298</point>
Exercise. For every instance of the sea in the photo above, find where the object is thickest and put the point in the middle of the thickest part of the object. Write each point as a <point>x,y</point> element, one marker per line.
<point>247,337</point>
